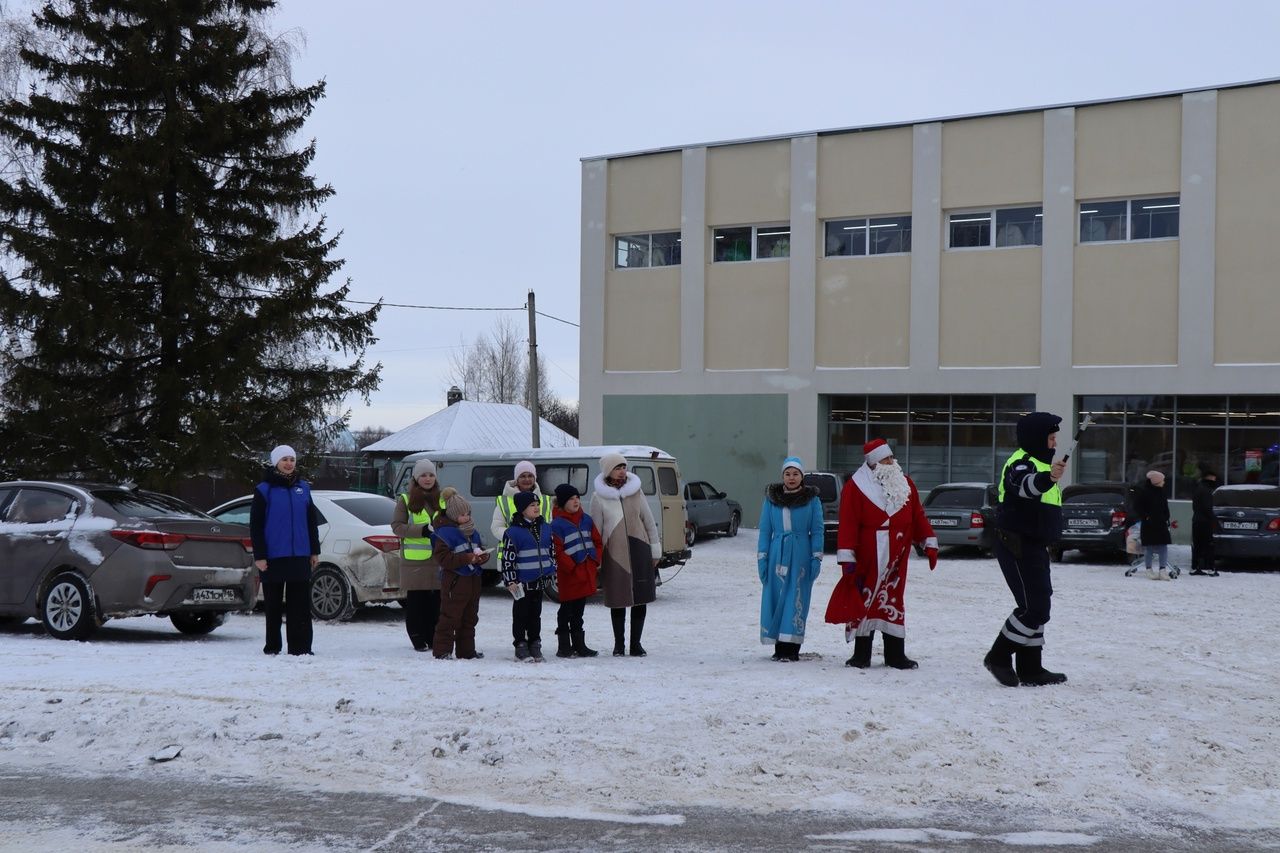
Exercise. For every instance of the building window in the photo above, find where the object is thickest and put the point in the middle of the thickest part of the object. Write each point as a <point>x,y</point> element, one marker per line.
<point>751,243</point>
<point>888,235</point>
<point>937,438</point>
<point>1236,437</point>
<point>1129,219</point>
<point>660,249</point>
<point>1013,226</point>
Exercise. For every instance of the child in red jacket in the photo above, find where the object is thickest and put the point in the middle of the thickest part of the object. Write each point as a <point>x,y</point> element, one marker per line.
<point>578,549</point>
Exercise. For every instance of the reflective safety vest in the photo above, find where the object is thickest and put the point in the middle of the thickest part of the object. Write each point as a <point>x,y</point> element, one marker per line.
<point>1053,497</point>
<point>415,547</point>
<point>533,556</point>
<point>576,538</point>
<point>507,506</point>
<point>454,540</point>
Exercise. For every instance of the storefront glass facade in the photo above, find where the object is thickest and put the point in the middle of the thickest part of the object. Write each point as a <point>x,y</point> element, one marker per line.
<point>938,438</point>
<point>1237,436</point>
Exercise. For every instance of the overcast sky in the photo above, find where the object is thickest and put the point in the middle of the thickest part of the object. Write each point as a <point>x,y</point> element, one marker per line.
<point>453,132</point>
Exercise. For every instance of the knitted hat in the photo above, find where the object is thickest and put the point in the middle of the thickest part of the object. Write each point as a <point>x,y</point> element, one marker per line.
<point>792,462</point>
<point>876,450</point>
<point>565,492</point>
<point>525,467</point>
<point>423,466</point>
<point>455,505</point>
<point>610,461</point>
<point>1155,477</point>
<point>281,452</point>
<point>522,501</point>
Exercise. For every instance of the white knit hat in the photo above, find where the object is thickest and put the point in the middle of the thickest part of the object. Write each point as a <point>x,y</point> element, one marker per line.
<point>524,466</point>
<point>423,466</point>
<point>610,461</point>
<point>280,452</point>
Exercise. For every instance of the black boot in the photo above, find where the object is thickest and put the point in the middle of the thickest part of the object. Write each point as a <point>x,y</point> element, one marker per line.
<point>861,652</point>
<point>637,628</point>
<point>999,661</point>
<point>565,648</point>
<point>895,654</point>
<point>793,652</point>
<point>619,617</point>
<point>578,640</point>
<point>786,652</point>
<point>1031,671</point>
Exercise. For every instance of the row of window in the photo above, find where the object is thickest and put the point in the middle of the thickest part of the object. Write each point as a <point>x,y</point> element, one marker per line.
<point>1100,222</point>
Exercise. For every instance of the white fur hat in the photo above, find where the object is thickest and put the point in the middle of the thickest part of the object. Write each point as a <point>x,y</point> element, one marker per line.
<point>280,452</point>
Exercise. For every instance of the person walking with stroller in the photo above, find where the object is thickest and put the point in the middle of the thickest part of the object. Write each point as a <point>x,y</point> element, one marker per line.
<point>1151,510</point>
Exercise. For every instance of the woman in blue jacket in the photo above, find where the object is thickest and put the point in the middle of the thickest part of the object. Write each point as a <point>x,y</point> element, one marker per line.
<point>286,547</point>
<point>788,557</point>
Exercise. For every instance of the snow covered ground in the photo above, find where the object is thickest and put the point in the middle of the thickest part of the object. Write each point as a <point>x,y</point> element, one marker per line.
<point>1169,715</point>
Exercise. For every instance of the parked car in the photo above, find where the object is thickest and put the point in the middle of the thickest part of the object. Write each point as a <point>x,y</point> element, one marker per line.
<point>829,486</point>
<point>1093,516</point>
<point>77,554</point>
<point>359,555</point>
<point>709,511</point>
<point>962,514</point>
<point>1248,519</point>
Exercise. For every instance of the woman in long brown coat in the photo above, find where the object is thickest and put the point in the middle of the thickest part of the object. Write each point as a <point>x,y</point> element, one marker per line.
<point>628,568</point>
<point>419,571</point>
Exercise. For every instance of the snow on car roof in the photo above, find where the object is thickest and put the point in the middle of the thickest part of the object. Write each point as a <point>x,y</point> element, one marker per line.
<point>631,451</point>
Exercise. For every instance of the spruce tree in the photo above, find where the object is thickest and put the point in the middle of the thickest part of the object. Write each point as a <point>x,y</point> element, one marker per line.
<point>165,274</point>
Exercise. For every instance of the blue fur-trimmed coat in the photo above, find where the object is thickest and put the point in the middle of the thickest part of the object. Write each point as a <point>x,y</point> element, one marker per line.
<point>788,559</point>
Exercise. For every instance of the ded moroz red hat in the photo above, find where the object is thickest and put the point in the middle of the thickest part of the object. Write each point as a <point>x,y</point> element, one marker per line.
<point>876,450</point>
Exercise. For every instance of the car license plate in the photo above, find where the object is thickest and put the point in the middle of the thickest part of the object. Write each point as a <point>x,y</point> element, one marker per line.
<point>205,596</point>
<point>1082,522</point>
<point>1239,525</point>
<point>944,522</point>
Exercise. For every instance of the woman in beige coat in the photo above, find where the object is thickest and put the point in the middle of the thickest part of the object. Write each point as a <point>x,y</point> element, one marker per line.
<point>419,570</point>
<point>628,568</point>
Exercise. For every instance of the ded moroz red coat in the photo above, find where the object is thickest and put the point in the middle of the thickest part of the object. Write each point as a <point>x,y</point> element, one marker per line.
<point>879,544</point>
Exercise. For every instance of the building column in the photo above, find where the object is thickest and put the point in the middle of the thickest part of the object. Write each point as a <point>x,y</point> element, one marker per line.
<point>926,245</point>
<point>593,252</point>
<point>802,401</point>
<point>693,260</point>
<point>1057,270</point>
<point>1197,229</point>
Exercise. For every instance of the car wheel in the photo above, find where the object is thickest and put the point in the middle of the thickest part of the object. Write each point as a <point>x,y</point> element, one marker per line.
<point>552,590</point>
<point>197,623</point>
<point>331,598</point>
<point>68,610</point>
<point>734,521</point>
<point>690,534</point>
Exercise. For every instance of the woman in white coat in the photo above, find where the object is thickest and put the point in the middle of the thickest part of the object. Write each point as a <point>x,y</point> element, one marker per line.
<point>628,568</point>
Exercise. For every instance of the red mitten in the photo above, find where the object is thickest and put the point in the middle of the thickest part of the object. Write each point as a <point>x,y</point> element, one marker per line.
<point>933,557</point>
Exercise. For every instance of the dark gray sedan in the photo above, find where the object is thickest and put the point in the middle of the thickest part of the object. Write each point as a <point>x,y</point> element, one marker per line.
<point>709,510</point>
<point>962,514</point>
<point>1248,522</point>
<point>74,555</point>
<point>1093,516</point>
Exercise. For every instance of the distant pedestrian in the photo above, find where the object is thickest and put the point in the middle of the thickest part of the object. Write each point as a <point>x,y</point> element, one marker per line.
<point>1203,525</point>
<point>1028,521</point>
<point>411,520</point>
<point>528,565</point>
<point>578,549</point>
<point>788,559</point>
<point>880,517</point>
<point>629,568</point>
<point>461,556</point>
<point>1151,510</point>
<point>284,528</point>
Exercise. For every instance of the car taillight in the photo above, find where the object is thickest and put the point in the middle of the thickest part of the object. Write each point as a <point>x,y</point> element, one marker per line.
<point>151,584</point>
<point>248,544</point>
<point>385,544</point>
<point>1273,524</point>
<point>975,520</point>
<point>1117,518</point>
<point>152,540</point>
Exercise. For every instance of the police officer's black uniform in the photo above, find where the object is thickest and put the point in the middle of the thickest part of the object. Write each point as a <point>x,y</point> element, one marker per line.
<point>1028,521</point>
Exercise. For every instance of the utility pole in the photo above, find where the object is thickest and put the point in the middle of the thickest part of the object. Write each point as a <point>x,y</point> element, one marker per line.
<point>533,371</point>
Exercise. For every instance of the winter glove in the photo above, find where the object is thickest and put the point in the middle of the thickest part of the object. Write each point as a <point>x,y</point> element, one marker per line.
<point>847,568</point>
<point>933,557</point>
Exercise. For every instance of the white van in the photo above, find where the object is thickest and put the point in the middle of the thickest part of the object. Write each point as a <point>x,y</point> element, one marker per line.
<point>480,475</point>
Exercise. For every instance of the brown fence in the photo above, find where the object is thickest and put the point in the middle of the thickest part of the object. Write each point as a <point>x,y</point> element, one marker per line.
<point>348,472</point>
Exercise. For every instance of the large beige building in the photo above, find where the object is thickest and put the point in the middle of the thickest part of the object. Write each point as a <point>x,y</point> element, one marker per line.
<point>929,281</point>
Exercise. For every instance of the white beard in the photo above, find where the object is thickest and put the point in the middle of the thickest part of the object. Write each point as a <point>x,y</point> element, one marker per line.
<point>893,483</point>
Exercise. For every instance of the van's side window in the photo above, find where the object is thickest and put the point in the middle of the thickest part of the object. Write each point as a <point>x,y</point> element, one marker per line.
<point>645,473</point>
<point>550,476</point>
<point>667,481</point>
<point>487,481</point>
